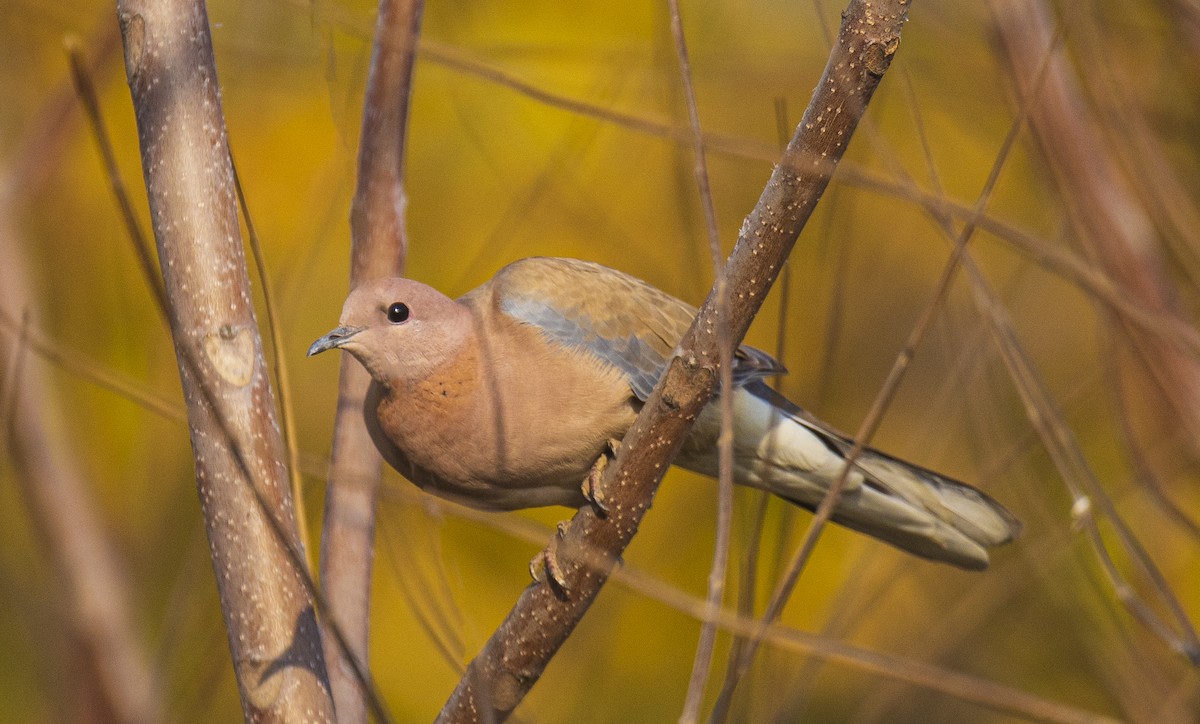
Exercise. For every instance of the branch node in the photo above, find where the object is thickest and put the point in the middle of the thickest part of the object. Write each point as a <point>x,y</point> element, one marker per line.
<point>877,55</point>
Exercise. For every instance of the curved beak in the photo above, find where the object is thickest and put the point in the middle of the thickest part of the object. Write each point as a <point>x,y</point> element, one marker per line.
<point>336,338</point>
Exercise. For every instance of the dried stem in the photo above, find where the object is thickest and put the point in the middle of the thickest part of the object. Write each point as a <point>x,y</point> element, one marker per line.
<point>282,378</point>
<point>823,648</point>
<point>543,617</point>
<point>702,662</point>
<point>91,106</point>
<point>378,245</point>
<point>1120,234</point>
<point>269,613</point>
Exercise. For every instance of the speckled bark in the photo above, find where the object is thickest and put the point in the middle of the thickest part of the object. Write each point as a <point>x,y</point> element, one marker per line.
<point>542,619</point>
<point>269,616</point>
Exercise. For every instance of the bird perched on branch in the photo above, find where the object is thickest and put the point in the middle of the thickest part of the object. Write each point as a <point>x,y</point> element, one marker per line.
<point>507,397</point>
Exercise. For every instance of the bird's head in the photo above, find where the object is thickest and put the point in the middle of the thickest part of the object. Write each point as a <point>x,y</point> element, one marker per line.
<point>399,329</point>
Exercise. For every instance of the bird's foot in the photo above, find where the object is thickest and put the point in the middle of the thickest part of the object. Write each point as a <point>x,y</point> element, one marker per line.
<point>545,568</point>
<point>592,490</point>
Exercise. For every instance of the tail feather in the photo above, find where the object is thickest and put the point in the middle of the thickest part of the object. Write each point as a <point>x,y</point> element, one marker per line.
<point>781,448</point>
<point>924,513</point>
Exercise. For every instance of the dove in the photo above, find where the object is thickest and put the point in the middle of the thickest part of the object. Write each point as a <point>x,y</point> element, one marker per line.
<point>507,397</point>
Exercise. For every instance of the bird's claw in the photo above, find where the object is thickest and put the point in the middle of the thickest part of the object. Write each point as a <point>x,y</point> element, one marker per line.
<point>592,489</point>
<point>544,568</point>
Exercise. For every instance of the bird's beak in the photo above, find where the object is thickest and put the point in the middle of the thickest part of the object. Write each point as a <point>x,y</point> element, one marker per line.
<point>336,338</point>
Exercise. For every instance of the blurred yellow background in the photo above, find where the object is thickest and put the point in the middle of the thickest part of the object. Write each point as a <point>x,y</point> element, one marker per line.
<point>496,174</point>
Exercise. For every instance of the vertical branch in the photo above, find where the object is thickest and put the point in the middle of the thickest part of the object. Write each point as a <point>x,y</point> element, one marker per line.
<point>542,619</point>
<point>378,247</point>
<point>252,531</point>
<point>720,561</point>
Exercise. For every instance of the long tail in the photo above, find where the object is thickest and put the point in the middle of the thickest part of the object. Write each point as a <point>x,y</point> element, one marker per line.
<point>783,449</point>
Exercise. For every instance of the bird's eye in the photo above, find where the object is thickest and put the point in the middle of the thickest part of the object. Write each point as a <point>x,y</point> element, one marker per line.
<point>398,313</point>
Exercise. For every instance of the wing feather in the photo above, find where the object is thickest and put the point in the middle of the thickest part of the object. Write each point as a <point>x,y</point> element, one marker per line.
<point>612,315</point>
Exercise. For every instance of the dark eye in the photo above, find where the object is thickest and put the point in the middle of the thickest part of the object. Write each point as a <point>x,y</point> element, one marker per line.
<point>398,313</point>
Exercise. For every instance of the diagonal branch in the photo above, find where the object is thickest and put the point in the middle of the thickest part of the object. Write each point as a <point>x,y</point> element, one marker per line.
<point>377,250</point>
<point>252,531</point>
<point>542,619</point>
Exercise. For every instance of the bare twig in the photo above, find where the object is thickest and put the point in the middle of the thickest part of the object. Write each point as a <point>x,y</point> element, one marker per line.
<point>282,379</point>
<point>874,417</point>
<point>1090,278</point>
<point>748,578</point>
<point>1120,235</point>
<point>922,676</point>
<point>1087,277</point>
<point>520,649</point>
<point>1143,472</point>
<point>141,246</point>
<point>377,250</point>
<point>720,560</point>
<point>269,612</point>
<point>986,693</point>
<point>8,389</point>
<point>1091,501</point>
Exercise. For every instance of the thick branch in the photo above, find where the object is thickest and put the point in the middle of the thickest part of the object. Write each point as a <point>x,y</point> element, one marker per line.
<point>543,618</point>
<point>269,615</point>
<point>378,245</point>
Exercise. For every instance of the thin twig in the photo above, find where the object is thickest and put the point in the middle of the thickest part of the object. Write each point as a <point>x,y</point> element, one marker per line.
<point>748,578</point>
<point>874,417</point>
<point>90,593</point>
<point>924,676</point>
<point>8,393</point>
<point>1118,232</point>
<point>141,245</point>
<point>282,379</point>
<point>1055,259</point>
<point>1049,256</point>
<point>415,588</point>
<point>1143,471</point>
<point>1089,496</point>
<point>702,662</point>
<point>74,363</point>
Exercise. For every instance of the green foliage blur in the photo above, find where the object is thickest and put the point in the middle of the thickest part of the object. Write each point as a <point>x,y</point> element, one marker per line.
<point>495,174</point>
